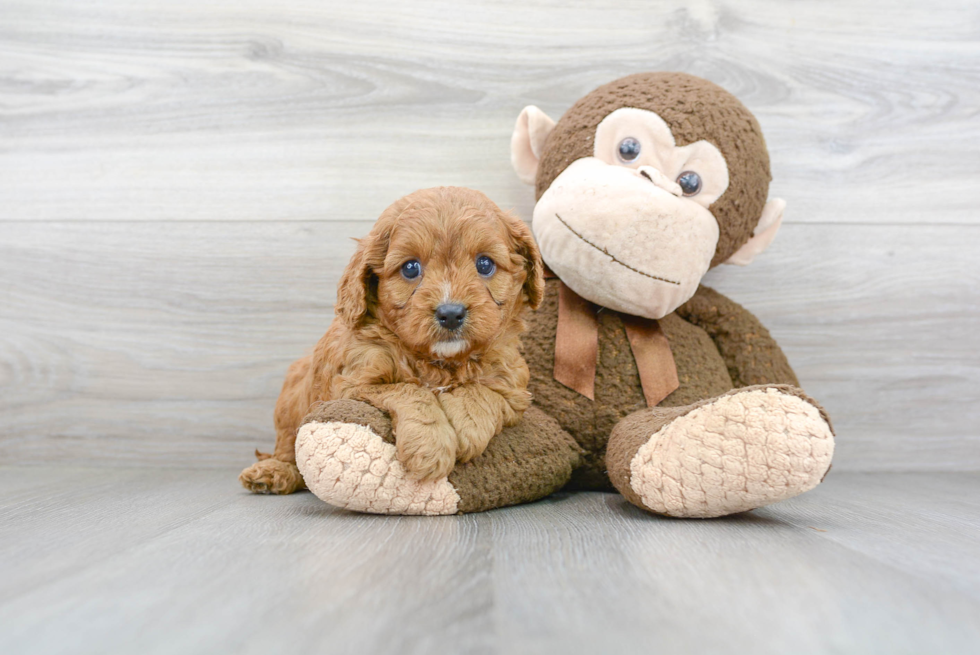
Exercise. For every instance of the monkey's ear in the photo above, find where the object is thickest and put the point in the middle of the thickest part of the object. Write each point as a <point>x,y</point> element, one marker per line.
<point>765,232</point>
<point>527,143</point>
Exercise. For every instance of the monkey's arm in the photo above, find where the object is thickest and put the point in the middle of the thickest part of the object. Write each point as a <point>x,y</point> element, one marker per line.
<point>750,353</point>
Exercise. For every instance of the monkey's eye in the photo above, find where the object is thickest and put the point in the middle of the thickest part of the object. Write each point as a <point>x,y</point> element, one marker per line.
<point>485,266</point>
<point>629,149</point>
<point>689,182</point>
<point>411,269</point>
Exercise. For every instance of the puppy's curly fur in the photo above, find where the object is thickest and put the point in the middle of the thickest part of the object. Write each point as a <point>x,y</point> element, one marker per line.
<point>448,391</point>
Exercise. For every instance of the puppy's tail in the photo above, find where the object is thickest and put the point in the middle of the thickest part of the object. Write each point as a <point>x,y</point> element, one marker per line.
<point>261,456</point>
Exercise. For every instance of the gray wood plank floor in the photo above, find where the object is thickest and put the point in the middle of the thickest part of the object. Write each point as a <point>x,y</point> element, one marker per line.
<point>154,561</point>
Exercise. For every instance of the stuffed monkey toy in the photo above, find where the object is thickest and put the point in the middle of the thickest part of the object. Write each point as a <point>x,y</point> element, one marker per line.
<point>643,380</point>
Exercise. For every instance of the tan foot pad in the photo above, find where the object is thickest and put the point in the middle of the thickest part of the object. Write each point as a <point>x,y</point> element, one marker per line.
<point>348,465</point>
<point>737,453</point>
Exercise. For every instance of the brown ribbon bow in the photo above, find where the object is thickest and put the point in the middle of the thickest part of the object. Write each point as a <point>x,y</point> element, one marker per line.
<point>577,348</point>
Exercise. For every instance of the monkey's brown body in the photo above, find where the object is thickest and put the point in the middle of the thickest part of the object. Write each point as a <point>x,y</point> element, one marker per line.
<point>753,358</point>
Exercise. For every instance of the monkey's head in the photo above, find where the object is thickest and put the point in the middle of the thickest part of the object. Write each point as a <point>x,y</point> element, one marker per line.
<point>645,184</point>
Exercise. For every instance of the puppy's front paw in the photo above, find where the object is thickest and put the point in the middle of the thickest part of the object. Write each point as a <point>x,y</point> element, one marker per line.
<point>474,420</point>
<point>473,434</point>
<point>472,441</point>
<point>428,452</point>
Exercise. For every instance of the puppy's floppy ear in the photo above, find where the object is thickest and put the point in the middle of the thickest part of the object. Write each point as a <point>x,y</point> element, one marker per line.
<point>527,247</point>
<point>357,291</point>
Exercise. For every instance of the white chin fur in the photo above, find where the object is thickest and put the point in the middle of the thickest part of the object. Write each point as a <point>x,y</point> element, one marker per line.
<point>449,348</point>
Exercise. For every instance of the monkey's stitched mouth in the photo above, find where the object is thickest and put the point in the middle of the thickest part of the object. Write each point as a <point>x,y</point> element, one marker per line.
<point>612,256</point>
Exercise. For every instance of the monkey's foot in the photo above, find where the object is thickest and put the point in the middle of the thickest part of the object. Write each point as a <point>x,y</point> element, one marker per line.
<point>347,463</point>
<point>742,450</point>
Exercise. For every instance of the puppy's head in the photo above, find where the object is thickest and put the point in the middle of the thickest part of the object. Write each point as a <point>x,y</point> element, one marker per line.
<point>446,270</point>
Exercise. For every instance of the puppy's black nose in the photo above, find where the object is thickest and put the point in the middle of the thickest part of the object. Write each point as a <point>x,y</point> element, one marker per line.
<point>450,315</point>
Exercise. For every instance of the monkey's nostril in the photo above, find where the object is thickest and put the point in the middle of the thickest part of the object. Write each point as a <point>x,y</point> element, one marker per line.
<point>659,179</point>
<point>450,315</point>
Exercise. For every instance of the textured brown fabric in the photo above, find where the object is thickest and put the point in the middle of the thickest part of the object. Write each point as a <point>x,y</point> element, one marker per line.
<point>702,371</point>
<point>576,342</point>
<point>750,353</point>
<point>576,349</point>
<point>694,109</point>
<point>352,411</point>
<point>523,463</point>
<point>637,428</point>
<point>654,361</point>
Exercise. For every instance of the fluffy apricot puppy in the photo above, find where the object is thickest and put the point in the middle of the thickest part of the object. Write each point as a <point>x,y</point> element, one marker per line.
<point>427,329</point>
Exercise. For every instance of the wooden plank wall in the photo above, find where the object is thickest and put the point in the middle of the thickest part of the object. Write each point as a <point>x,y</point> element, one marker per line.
<point>179,183</point>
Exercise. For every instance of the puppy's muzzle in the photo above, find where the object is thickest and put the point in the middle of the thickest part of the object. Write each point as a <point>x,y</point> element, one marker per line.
<point>450,315</point>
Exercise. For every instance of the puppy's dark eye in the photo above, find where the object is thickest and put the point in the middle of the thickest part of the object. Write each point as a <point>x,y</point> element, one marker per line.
<point>629,149</point>
<point>411,269</point>
<point>485,266</point>
<point>689,182</point>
